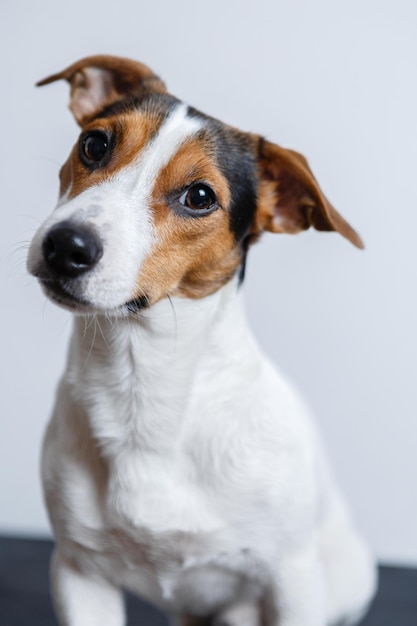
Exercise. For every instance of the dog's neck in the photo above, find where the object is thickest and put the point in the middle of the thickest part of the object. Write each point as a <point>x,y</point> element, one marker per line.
<point>139,378</point>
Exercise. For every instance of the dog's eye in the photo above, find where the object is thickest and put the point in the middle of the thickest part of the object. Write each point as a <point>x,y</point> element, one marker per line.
<point>94,147</point>
<point>198,197</point>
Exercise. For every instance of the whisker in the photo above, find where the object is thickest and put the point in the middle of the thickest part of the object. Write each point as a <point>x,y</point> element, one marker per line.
<point>45,303</point>
<point>88,320</point>
<point>33,218</point>
<point>113,320</point>
<point>93,340</point>
<point>175,320</point>
<point>46,159</point>
<point>102,334</point>
<point>18,248</point>
<point>66,322</point>
<point>85,329</point>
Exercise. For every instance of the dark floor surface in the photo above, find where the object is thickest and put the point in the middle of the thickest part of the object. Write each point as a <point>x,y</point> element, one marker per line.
<point>25,601</point>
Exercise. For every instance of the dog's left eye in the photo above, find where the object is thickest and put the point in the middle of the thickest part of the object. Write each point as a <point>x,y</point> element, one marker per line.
<point>93,147</point>
<point>198,197</point>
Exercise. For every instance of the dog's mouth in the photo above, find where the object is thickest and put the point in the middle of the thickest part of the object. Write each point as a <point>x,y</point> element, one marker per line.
<point>60,294</point>
<point>137,304</point>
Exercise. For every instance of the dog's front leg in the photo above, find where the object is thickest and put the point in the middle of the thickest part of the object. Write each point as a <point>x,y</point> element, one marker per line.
<point>297,595</point>
<point>81,600</point>
<point>239,614</point>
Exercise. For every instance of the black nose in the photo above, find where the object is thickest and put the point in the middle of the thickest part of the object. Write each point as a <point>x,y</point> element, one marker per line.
<point>71,249</point>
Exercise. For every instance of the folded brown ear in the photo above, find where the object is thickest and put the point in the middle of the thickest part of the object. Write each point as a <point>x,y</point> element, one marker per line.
<point>290,198</point>
<point>98,81</point>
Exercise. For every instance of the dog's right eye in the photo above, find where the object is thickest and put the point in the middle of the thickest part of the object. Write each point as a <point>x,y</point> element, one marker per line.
<point>93,147</point>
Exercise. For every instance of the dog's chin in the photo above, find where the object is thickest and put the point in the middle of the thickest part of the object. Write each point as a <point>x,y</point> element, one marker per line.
<point>58,294</point>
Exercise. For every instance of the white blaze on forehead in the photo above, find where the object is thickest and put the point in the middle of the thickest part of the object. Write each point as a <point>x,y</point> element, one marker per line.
<point>119,211</point>
<point>172,134</point>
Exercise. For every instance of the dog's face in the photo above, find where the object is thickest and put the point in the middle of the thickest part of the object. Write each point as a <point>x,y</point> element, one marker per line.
<point>159,200</point>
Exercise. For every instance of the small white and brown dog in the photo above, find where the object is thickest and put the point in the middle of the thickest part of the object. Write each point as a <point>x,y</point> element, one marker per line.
<point>178,464</point>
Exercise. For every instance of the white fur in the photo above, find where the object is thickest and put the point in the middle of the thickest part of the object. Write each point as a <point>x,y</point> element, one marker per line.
<point>180,465</point>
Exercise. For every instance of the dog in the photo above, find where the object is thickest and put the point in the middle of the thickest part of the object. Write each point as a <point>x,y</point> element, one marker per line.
<point>178,463</point>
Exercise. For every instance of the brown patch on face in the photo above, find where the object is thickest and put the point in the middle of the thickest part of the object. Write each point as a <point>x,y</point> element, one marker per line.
<point>190,164</point>
<point>129,133</point>
<point>194,256</point>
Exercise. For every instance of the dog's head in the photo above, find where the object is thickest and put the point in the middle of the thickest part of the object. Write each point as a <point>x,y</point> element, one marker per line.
<point>158,199</point>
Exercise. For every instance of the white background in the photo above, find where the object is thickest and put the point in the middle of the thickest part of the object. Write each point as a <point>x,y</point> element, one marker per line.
<point>335,80</point>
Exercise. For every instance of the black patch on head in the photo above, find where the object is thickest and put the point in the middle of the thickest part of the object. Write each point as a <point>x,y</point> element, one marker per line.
<point>234,154</point>
<point>246,243</point>
<point>237,161</point>
<point>160,104</point>
<point>240,172</point>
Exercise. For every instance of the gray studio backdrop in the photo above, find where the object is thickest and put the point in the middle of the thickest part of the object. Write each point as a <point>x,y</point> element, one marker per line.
<point>334,80</point>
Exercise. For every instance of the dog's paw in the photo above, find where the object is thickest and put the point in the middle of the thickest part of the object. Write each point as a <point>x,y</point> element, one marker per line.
<point>239,615</point>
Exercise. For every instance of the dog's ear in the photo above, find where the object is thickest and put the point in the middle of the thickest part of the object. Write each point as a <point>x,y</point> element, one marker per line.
<point>290,199</point>
<point>98,81</point>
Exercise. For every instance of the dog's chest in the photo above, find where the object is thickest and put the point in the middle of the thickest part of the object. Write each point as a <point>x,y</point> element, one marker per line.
<point>160,519</point>
<point>162,493</point>
<point>167,542</point>
<point>175,571</point>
